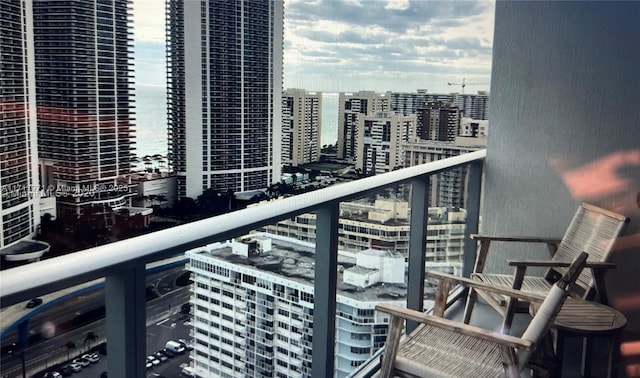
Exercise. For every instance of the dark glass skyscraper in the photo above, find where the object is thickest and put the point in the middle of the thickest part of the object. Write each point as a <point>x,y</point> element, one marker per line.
<point>19,205</point>
<point>224,90</point>
<point>84,75</point>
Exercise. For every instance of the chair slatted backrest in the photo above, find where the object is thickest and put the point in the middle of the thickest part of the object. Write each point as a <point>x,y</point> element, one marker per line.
<point>592,230</point>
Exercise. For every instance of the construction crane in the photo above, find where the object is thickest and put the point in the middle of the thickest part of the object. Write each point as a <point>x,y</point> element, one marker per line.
<point>464,84</point>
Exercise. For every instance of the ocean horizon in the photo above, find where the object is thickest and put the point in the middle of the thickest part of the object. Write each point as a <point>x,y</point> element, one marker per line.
<point>151,119</point>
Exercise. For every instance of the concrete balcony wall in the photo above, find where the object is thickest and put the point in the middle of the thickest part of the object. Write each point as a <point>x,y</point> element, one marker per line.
<point>565,126</point>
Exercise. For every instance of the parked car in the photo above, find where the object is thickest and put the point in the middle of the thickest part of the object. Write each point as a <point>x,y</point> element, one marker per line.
<point>149,364</point>
<point>153,360</point>
<point>66,371</point>
<point>185,344</point>
<point>159,355</point>
<point>52,374</point>
<point>93,357</point>
<point>34,302</point>
<point>74,367</point>
<point>168,353</point>
<point>82,362</point>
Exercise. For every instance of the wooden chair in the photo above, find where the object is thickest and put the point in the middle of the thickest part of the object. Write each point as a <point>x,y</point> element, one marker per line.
<point>592,230</point>
<point>444,348</point>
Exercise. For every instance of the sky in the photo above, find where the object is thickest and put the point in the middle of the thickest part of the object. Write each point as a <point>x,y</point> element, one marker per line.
<point>352,45</point>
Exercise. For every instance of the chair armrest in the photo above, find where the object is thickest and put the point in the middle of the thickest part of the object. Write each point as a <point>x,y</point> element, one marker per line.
<point>485,287</point>
<point>466,329</point>
<point>558,264</point>
<point>522,239</point>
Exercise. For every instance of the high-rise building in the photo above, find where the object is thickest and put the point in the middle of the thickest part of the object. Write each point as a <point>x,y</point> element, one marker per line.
<point>224,93</point>
<point>84,78</point>
<point>379,141</point>
<point>447,189</point>
<point>253,307</point>
<point>409,103</point>
<point>438,121</point>
<point>474,106</point>
<point>301,126</point>
<point>19,184</point>
<point>351,105</point>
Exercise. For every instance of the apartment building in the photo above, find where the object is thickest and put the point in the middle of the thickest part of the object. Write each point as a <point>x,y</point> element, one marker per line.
<point>224,94</point>
<point>447,189</point>
<point>384,225</point>
<point>84,80</point>
<point>19,183</point>
<point>253,307</point>
<point>351,106</point>
<point>379,141</point>
<point>301,126</point>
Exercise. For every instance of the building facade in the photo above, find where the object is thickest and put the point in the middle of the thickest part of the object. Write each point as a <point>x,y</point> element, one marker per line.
<point>253,307</point>
<point>384,225</point>
<point>447,189</point>
<point>301,126</point>
<point>224,94</point>
<point>379,141</point>
<point>351,106</point>
<point>19,183</point>
<point>84,78</point>
<point>474,106</point>
<point>438,121</point>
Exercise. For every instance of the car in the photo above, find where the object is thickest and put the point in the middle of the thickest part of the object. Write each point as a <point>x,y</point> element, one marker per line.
<point>149,364</point>
<point>104,374</point>
<point>161,356</point>
<point>65,371</point>
<point>82,362</point>
<point>52,374</point>
<point>168,353</point>
<point>153,360</point>
<point>34,302</point>
<point>75,367</point>
<point>92,358</point>
<point>185,344</point>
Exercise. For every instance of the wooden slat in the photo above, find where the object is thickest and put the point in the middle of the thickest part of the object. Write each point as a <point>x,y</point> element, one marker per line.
<point>466,329</point>
<point>532,297</point>
<point>521,239</point>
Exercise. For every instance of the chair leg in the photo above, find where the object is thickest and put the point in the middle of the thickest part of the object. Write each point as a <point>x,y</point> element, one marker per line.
<point>468,308</point>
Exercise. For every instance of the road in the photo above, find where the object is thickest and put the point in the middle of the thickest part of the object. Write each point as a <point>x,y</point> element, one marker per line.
<point>53,349</point>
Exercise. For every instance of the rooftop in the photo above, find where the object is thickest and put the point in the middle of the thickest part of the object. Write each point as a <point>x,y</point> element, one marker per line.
<point>294,260</point>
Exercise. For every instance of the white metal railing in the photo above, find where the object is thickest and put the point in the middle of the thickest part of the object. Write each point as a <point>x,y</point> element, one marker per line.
<point>123,263</point>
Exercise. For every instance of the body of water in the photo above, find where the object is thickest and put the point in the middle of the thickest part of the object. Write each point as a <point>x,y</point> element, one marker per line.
<point>151,120</point>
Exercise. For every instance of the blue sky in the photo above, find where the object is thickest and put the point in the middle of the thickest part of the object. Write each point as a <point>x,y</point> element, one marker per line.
<point>351,45</point>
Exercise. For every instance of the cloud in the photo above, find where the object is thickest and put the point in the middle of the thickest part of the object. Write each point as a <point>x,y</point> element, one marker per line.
<point>390,45</point>
<point>397,4</point>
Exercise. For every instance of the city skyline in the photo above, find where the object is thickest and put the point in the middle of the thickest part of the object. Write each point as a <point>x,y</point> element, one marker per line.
<point>347,46</point>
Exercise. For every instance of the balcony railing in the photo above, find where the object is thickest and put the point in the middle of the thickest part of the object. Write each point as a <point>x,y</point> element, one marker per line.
<point>122,264</point>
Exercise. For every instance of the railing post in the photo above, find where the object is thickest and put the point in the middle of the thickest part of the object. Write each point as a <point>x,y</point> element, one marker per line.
<point>324,296</point>
<point>126,322</point>
<point>474,187</point>
<point>417,245</point>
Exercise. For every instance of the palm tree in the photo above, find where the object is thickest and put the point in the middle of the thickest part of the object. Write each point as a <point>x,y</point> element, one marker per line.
<point>69,345</point>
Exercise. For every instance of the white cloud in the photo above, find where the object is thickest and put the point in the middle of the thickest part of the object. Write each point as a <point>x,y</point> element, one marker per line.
<point>397,4</point>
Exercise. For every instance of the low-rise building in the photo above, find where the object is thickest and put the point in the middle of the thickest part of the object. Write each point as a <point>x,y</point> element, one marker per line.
<point>253,306</point>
